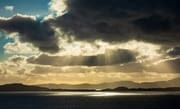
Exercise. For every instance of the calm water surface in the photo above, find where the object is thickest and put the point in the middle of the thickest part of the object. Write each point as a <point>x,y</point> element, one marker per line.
<point>90,100</point>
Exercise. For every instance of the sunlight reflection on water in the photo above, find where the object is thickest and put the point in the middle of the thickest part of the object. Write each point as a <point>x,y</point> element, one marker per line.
<point>109,94</point>
<point>89,100</point>
<point>94,94</point>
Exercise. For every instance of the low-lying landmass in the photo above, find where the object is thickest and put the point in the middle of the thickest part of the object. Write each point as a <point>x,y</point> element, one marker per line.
<point>21,87</point>
<point>114,85</point>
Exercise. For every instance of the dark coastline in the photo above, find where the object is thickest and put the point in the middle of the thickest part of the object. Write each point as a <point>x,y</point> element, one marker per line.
<point>21,87</point>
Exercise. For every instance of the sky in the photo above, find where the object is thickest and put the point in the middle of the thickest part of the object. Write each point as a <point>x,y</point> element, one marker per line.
<point>82,42</point>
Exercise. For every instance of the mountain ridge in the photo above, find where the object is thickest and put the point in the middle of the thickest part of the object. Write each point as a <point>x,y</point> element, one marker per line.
<point>22,87</point>
<point>123,85</point>
<point>113,85</point>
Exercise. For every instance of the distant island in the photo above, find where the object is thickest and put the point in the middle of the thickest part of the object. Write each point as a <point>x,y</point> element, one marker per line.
<point>21,87</point>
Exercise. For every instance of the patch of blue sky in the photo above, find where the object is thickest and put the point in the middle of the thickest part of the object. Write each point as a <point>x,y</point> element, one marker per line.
<point>28,7</point>
<point>3,41</point>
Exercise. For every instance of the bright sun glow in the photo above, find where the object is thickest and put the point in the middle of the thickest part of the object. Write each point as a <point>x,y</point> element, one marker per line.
<point>76,48</point>
<point>58,6</point>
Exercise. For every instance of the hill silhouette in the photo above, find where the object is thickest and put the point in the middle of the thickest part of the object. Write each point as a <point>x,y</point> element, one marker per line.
<point>21,87</point>
<point>128,84</point>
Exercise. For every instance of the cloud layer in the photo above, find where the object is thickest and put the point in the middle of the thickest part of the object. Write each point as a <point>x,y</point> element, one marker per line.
<point>40,34</point>
<point>109,58</point>
<point>109,20</point>
<point>17,69</point>
<point>9,8</point>
<point>122,20</point>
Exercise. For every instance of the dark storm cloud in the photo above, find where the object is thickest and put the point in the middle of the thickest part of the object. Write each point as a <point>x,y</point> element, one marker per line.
<point>109,58</point>
<point>153,24</point>
<point>40,34</point>
<point>122,20</point>
<point>174,52</point>
<point>155,21</point>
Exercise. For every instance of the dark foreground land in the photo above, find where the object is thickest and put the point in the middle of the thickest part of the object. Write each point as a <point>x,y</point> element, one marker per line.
<point>93,100</point>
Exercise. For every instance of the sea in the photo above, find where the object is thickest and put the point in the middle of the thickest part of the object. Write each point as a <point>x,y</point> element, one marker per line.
<point>90,100</point>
